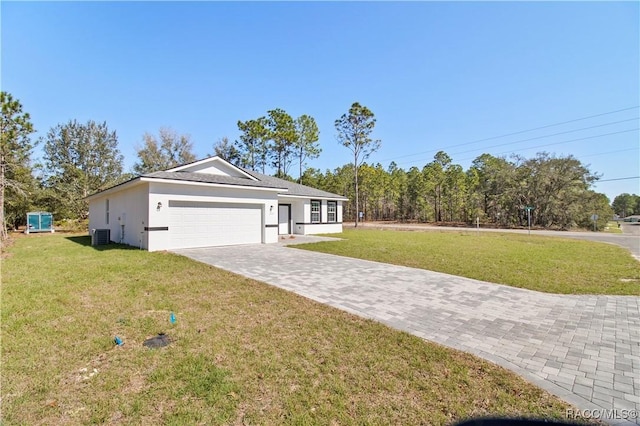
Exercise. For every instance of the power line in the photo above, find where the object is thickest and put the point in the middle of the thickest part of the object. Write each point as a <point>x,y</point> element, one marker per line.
<point>548,136</point>
<point>553,125</point>
<point>608,152</point>
<point>537,137</point>
<point>539,146</point>
<point>577,158</point>
<point>573,140</point>
<point>519,132</point>
<point>624,178</point>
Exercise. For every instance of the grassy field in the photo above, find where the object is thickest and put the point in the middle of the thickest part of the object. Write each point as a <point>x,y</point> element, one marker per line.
<point>242,352</point>
<point>547,264</point>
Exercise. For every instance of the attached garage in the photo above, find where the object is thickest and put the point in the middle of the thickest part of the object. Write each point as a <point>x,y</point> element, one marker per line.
<point>209,203</point>
<point>203,224</point>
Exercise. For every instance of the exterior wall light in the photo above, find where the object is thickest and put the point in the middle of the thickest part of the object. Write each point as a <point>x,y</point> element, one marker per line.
<point>159,206</point>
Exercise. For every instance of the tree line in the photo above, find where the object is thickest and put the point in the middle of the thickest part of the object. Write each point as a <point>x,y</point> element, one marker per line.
<point>493,190</point>
<point>626,205</point>
<point>82,158</point>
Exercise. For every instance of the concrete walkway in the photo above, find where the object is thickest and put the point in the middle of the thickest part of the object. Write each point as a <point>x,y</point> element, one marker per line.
<point>584,349</point>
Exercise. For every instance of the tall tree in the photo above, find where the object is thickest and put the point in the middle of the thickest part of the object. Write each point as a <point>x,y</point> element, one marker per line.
<point>594,204</point>
<point>415,196</point>
<point>494,176</point>
<point>225,149</point>
<point>253,144</point>
<point>556,187</point>
<point>306,144</point>
<point>80,159</point>
<point>372,190</point>
<point>313,178</point>
<point>354,132</point>
<point>455,189</point>
<point>170,151</point>
<point>22,198</point>
<point>15,151</point>
<point>626,204</point>
<point>282,132</point>
<point>435,176</point>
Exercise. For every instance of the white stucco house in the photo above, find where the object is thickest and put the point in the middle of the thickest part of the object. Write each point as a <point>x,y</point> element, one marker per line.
<point>211,202</point>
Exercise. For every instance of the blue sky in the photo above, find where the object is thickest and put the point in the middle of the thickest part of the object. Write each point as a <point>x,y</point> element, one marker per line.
<point>437,75</point>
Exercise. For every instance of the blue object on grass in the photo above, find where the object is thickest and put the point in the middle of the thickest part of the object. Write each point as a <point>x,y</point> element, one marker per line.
<point>172,318</point>
<point>118,341</point>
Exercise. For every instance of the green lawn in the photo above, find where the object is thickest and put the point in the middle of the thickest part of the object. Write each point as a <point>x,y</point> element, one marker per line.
<point>243,352</point>
<point>548,264</point>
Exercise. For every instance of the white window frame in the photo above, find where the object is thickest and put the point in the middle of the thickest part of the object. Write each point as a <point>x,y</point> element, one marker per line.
<point>334,213</point>
<point>319,212</point>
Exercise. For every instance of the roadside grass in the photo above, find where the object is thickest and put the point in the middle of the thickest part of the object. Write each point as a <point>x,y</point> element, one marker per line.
<point>242,352</point>
<point>612,227</point>
<point>546,264</point>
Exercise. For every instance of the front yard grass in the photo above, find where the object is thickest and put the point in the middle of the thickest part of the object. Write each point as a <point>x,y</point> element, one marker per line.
<point>242,352</point>
<point>547,264</point>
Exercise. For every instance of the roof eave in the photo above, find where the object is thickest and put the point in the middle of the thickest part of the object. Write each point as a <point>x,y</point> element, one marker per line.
<point>130,183</point>
<point>316,197</point>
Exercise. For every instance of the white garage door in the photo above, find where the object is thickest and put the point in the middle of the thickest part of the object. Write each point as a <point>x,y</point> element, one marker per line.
<point>198,224</point>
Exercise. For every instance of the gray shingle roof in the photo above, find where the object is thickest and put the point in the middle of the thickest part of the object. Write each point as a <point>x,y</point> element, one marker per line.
<point>211,178</point>
<point>263,181</point>
<point>294,188</point>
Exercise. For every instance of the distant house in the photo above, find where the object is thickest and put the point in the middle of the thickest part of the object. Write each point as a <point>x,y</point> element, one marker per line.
<point>211,203</point>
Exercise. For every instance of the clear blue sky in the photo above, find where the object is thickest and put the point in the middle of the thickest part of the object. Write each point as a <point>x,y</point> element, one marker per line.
<point>436,75</point>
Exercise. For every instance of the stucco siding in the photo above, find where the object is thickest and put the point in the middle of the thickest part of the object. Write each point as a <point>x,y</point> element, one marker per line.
<point>321,228</point>
<point>301,215</point>
<point>164,192</point>
<point>127,215</point>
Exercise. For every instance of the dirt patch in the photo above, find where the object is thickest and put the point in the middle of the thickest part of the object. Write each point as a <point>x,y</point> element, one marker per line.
<point>159,341</point>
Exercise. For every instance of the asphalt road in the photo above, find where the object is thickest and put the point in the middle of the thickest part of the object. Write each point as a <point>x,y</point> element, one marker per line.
<point>629,239</point>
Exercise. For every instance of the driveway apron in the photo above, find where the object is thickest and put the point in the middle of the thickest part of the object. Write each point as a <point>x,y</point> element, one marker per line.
<point>584,349</point>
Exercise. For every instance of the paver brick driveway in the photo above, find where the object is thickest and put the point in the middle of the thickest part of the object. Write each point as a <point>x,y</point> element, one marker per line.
<point>584,349</point>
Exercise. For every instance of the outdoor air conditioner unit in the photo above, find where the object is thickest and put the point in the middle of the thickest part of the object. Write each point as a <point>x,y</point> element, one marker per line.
<point>100,237</point>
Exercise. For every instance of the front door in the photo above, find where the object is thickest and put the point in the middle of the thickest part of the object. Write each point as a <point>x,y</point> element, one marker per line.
<point>284,219</point>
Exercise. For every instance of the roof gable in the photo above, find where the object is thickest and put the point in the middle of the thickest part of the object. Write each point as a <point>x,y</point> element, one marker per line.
<point>213,166</point>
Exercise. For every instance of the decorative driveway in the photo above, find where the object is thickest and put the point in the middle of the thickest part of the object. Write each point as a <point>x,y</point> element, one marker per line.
<point>584,349</point>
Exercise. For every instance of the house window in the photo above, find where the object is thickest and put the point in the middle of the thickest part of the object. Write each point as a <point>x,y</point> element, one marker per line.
<point>315,211</point>
<point>107,212</point>
<point>332,210</point>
